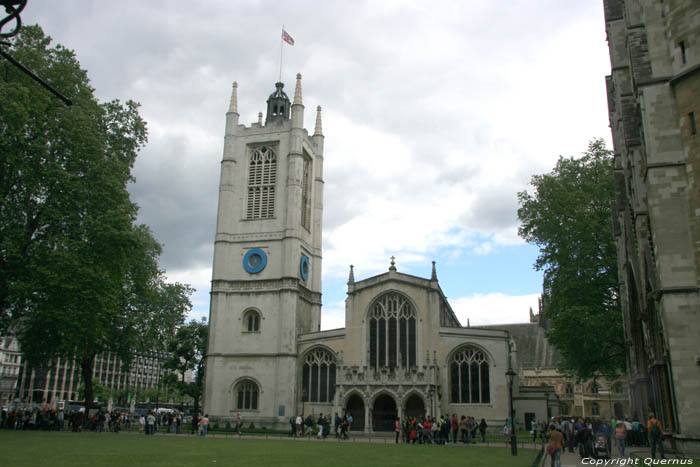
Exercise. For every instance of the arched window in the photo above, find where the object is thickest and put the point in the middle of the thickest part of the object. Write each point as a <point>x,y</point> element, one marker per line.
<point>569,389</point>
<point>392,332</point>
<point>251,321</point>
<point>618,388</point>
<point>595,409</point>
<point>262,177</point>
<point>318,376</point>
<point>469,377</point>
<point>594,388</point>
<point>246,395</point>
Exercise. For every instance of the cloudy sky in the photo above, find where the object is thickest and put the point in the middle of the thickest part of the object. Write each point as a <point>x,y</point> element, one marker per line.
<point>435,113</point>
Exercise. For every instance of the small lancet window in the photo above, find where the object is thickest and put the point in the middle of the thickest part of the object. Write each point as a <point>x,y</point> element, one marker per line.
<point>251,321</point>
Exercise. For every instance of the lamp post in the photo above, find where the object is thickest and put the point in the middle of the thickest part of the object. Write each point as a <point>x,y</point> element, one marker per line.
<point>431,390</point>
<point>513,440</point>
<point>303,399</point>
<point>546,398</point>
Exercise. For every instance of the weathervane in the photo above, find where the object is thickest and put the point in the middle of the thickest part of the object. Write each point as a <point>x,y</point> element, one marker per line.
<point>13,8</point>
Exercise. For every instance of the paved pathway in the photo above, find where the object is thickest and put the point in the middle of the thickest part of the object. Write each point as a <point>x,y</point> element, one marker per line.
<point>573,459</point>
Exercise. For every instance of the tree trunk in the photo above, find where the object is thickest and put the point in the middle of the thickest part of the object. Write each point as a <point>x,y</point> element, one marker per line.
<point>86,366</point>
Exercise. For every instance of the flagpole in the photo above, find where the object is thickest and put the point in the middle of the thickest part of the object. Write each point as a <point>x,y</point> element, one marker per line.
<point>281,52</point>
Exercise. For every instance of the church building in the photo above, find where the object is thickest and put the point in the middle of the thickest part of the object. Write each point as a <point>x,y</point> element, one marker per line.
<point>402,351</point>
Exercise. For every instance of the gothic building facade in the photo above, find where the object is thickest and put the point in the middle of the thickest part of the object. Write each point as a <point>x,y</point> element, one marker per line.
<point>654,102</point>
<point>402,350</point>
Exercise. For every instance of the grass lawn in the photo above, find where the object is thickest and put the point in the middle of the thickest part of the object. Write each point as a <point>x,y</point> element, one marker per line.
<point>38,448</point>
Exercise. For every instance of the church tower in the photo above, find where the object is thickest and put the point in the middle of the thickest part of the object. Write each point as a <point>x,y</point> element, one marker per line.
<point>266,278</point>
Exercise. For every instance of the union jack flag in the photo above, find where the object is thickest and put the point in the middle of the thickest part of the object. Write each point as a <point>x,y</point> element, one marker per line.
<point>287,38</point>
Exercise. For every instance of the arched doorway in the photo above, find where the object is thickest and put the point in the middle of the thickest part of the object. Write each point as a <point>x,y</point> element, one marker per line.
<point>384,413</point>
<point>356,407</point>
<point>415,407</point>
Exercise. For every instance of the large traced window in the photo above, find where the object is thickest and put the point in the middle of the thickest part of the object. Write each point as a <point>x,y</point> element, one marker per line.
<point>318,376</point>
<point>246,395</point>
<point>306,193</point>
<point>392,332</point>
<point>469,377</point>
<point>262,176</point>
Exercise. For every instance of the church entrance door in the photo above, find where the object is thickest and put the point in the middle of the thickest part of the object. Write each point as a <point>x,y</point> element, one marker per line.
<point>384,413</point>
<point>356,408</point>
<point>415,407</point>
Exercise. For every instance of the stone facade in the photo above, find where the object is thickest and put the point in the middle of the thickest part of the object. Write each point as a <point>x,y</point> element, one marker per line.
<point>60,380</point>
<point>10,368</point>
<point>402,350</point>
<point>538,361</point>
<point>654,102</point>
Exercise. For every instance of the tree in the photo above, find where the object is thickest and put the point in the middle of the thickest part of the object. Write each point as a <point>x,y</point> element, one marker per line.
<point>99,392</point>
<point>77,275</point>
<point>188,350</point>
<point>569,218</point>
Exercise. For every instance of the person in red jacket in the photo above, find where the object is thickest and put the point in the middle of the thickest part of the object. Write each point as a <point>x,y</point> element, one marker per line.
<point>656,436</point>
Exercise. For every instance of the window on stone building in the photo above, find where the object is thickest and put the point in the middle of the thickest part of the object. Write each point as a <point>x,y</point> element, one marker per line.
<point>262,177</point>
<point>595,409</point>
<point>693,128</point>
<point>251,321</point>
<point>318,376</point>
<point>469,376</point>
<point>392,332</point>
<point>569,389</point>
<point>246,394</point>
<point>306,193</point>
<point>618,388</point>
<point>594,388</point>
<point>684,59</point>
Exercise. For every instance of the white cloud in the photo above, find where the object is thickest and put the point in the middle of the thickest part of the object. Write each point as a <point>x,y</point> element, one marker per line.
<point>494,308</point>
<point>436,113</point>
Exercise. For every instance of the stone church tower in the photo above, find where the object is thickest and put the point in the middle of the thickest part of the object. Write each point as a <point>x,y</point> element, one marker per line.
<point>266,280</point>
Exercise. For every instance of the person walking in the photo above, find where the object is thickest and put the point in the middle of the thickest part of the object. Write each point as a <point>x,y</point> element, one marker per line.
<point>482,430</point>
<point>656,436</point>
<point>620,436</point>
<point>239,423</point>
<point>150,424</point>
<point>555,446</point>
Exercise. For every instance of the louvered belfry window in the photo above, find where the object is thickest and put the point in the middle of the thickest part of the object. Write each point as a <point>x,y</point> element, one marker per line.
<point>306,194</point>
<point>392,332</point>
<point>262,176</point>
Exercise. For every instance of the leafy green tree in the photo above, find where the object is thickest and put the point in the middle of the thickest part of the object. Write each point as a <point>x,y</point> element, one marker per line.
<point>568,216</point>
<point>99,392</point>
<point>188,348</point>
<point>77,275</point>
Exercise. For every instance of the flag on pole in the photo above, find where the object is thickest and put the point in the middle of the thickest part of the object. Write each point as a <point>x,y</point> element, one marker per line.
<point>287,38</point>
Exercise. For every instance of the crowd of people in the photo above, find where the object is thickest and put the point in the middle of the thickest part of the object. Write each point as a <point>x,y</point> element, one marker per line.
<point>590,436</point>
<point>51,419</point>
<point>440,430</point>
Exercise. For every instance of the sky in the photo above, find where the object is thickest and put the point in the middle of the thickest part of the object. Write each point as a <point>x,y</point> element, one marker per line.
<point>435,115</point>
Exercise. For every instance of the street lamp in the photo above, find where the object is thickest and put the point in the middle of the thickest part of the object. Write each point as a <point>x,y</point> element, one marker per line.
<point>546,398</point>
<point>513,440</point>
<point>303,399</point>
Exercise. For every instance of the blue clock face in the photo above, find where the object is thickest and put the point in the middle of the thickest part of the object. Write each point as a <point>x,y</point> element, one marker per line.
<point>254,260</point>
<point>304,267</point>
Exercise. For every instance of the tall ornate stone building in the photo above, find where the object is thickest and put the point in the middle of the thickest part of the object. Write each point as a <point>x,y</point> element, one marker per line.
<point>654,104</point>
<point>402,350</point>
